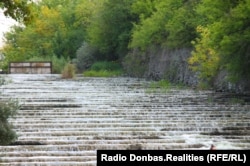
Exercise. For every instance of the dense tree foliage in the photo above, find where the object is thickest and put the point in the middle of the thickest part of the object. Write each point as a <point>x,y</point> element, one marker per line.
<point>17,9</point>
<point>110,28</point>
<point>169,23</point>
<point>224,39</point>
<point>57,29</point>
<point>218,32</point>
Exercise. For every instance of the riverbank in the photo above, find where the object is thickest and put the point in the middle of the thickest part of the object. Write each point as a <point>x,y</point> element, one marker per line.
<point>158,63</point>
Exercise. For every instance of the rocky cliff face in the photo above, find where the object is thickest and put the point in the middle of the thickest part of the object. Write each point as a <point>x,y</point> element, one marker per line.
<point>171,64</point>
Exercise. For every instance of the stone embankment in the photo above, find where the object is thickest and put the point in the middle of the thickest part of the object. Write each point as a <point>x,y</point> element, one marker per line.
<point>64,122</point>
<point>172,64</point>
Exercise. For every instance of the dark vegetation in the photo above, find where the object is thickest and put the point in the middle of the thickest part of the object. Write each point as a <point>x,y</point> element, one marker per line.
<point>8,108</point>
<point>87,32</point>
<point>104,69</point>
<point>110,37</point>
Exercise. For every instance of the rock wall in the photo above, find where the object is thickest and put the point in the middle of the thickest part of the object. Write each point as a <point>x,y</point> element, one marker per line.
<point>172,64</point>
<point>222,83</point>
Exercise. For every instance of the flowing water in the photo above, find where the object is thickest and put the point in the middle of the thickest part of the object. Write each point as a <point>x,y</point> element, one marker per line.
<point>64,122</point>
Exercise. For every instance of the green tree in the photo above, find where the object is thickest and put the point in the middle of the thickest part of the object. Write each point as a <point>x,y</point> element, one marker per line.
<point>85,56</point>
<point>169,23</point>
<point>234,44</point>
<point>144,8</point>
<point>58,29</point>
<point>224,39</point>
<point>35,39</point>
<point>17,9</point>
<point>205,59</point>
<point>110,28</point>
<point>150,29</point>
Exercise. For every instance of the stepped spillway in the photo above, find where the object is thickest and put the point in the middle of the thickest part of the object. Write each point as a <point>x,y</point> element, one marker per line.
<point>64,122</point>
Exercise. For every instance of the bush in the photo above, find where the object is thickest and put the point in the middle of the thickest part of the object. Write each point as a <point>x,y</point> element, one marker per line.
<point>7,109</point>
<point>68,71</point>
<point>105,65</point>
<point>104,69</point>
<point>162,86</point>
<point>85,57</point>
<point>57,63</point>
<point>102,73</point>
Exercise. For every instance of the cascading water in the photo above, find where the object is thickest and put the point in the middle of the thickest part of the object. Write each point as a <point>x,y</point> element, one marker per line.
<point>64,122</point>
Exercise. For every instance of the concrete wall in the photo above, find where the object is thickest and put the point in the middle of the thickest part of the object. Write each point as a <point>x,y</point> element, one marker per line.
<point>30,68</point>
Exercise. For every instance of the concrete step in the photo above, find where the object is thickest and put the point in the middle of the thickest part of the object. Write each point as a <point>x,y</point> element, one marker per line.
<point>64,122</point>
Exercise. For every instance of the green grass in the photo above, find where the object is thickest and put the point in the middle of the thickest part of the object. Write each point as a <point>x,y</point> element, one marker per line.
<point>58,64</point>
<point>159,86</point>
<point>102,73</point>
<point>203,86</point>
<point>236,101</point>
<point>164,86</point>
<point>104,69</point>
<point>105,65</point>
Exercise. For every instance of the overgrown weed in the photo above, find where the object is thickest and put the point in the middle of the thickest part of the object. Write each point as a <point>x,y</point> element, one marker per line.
<point>69,71</point>
<point>104,69</point>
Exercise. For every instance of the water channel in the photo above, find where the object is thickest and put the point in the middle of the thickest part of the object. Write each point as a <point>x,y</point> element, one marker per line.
<point>64,122</point>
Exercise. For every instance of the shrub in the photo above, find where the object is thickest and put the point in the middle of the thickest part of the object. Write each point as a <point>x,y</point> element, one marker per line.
<point>57,63</point>
<point>7,109</point>
<point>104,69</point>
<point>161,86</point>
<point>102,73</point>
<point>85,56</point>
<point>105,65</point>
<point>68,71</point>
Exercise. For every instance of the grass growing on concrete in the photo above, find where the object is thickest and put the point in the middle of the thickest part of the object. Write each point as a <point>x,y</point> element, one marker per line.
<point>102,73</point>
<point>236,101</point>
<point>164,86</point>
<point>159,86</point>
<point>68,71</point>
<point>104,69</point>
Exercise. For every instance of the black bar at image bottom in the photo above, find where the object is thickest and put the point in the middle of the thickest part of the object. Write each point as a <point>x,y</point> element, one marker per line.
<point>173,157</point>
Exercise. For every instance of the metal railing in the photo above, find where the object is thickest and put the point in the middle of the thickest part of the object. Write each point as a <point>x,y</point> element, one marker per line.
<point>30,67</point>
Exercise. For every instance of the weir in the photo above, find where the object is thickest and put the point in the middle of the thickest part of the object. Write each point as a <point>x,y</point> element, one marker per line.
<point>64,122</point>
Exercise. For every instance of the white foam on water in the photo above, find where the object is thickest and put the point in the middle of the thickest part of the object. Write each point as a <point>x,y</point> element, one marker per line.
<point>72,116</point>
